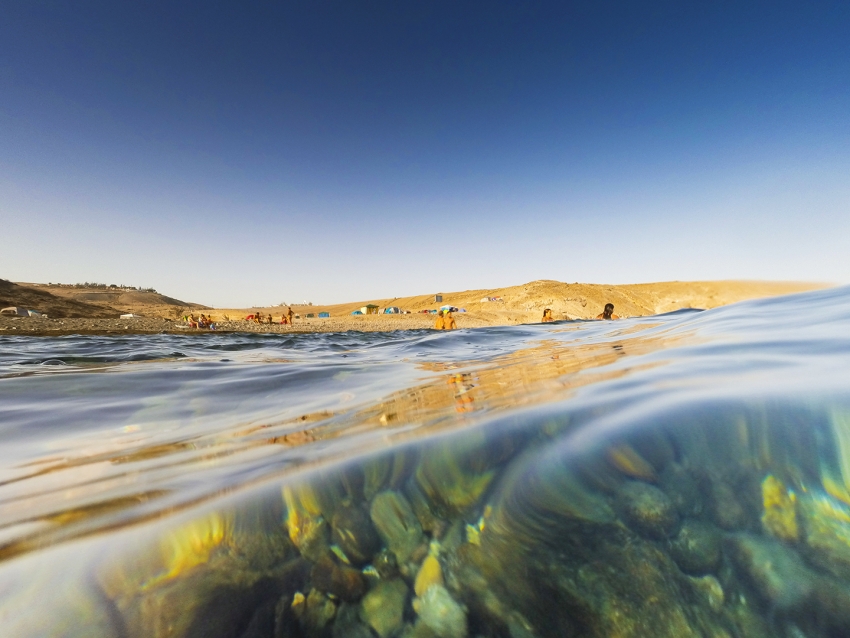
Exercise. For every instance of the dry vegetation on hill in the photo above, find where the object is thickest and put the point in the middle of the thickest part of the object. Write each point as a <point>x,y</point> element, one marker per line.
<point>59,300</point>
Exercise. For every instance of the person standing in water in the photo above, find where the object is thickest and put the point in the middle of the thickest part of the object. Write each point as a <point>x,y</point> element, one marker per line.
<point>547,315</point>
<point>608,313</point>
<point>440,324</point>
<point>449,321</point>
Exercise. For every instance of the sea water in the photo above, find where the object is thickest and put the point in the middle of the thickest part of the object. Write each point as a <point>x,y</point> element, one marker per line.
<point>678,475</point>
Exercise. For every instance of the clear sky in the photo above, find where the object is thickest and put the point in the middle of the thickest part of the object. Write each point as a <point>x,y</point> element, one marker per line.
<point>238,153</point>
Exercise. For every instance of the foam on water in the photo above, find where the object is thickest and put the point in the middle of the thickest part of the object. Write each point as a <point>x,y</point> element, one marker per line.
<point>117,447</point>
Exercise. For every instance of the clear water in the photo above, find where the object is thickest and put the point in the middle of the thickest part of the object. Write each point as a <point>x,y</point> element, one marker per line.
<point>679,475</point>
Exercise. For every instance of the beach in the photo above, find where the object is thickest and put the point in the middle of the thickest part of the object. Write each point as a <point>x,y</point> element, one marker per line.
<point>97,312</point>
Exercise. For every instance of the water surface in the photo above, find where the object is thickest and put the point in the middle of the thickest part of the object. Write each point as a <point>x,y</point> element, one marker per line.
<point>677,475</point>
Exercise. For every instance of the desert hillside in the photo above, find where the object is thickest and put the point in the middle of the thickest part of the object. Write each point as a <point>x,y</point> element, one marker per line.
<point>35,298</point>
<point>93,301</point>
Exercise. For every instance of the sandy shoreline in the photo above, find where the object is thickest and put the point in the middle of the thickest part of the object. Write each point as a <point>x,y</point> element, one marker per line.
<point>63,327</point>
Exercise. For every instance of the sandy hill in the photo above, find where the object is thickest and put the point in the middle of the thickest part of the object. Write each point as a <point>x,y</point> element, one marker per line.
<point>525,303</point>
<point>101,302</point>
<point>12,294</point>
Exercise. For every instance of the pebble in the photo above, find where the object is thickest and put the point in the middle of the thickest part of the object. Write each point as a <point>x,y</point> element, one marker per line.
<point>726,510</point>
<point>682,488</point>
<point>696,548</point>
<point>776,572</point>
<point>711,589</point>
<point>440,613</point>
<point>355,535</point>
<point>826,522</point>
<point>346,583</point>
<point>383,607</point>
<point>396,523</point>
<point>430,574</point>
<point>385,564</point>
<point>647,510</point>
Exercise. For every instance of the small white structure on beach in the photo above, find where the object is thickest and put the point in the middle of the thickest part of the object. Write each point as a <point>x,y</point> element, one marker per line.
<point>14,311</point>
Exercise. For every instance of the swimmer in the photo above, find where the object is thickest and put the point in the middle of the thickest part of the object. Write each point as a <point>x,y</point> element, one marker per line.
<point>608,313</point>
<point>449,321</point>
<point>547,315</point>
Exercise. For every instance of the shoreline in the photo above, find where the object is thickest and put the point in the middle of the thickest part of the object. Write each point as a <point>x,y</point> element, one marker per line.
<point>39,327</point>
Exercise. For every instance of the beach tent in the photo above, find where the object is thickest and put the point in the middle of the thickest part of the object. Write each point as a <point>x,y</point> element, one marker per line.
<point>324,315</point>
<point>357,312</point>
<point>310,315</point>
<point>392,310</point>
<point>14,311</point>
<point>452,308</point>
<point>370,309</point>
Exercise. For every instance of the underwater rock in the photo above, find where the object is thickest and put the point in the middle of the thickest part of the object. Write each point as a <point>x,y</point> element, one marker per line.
<point>629,462</point>
<point>355,535</point>
<point>348,623</point>
<point>647,510</point>
<point>383,607</point>
<point>775,572</point>
<point>779,518</point>
<point>396,523</point>
<point>711,589</point>
<point>725,508</point>
<point>430,573</point>
<point>385,564</point>
<point>419,503</point>
<point>439,612</point>
<point>346,583</point>
<point>316,613</point>
<point>826,525</point>
<point>304,523</point>
<point>450,482</point>
<point>696,548</point>
<point>680,485</point>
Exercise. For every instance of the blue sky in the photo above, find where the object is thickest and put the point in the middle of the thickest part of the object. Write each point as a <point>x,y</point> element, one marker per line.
<point>251,153</point>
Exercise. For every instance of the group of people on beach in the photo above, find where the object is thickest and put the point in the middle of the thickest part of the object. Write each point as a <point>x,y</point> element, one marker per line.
<point>204,322</point>
<point>285,318</point>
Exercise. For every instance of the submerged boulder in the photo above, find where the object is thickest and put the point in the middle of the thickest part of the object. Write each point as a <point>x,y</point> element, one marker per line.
<point>696,548</point>
<point>647,510</point>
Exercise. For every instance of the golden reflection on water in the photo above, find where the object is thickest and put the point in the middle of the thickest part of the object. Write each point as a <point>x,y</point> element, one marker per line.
<point>103,485</point>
